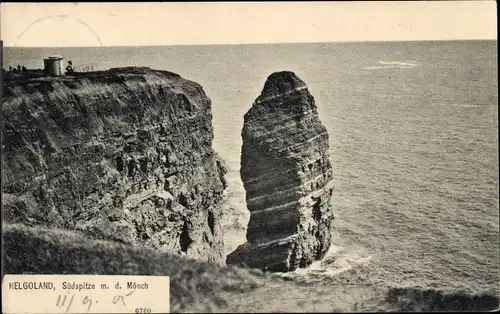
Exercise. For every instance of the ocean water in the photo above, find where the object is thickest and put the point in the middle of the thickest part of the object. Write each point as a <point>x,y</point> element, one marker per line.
<point>413,137</point>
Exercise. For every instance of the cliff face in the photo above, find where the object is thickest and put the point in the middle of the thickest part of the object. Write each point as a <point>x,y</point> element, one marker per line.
<point>124,155</point>
<point>287,176</point>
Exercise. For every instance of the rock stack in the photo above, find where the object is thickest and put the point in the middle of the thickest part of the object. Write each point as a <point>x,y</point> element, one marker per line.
<point>288,179</point>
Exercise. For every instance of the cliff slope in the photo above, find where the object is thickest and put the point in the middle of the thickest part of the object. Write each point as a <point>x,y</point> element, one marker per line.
<point>287,175</point>
<point>197,287</point>
<point>124,154</point>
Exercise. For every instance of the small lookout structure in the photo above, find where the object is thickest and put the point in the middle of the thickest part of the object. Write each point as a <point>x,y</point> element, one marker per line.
<point>53,65</point>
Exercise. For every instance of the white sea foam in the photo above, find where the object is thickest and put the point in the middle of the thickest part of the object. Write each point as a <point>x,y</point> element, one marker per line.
<point>346,263</point>
<point>336,261</point>
<point>466,105</point>
<point>392,65</point>
<point>400,63</point>
<point>376,67</point>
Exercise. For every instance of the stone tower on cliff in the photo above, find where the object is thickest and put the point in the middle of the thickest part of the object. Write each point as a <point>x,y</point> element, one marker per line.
<point>288,178</point>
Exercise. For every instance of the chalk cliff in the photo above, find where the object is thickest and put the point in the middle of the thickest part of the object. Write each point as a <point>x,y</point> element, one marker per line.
<point>124,155</point>
<point>288,178</point>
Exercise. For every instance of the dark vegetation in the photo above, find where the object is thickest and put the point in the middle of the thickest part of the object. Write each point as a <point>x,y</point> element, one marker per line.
<point>203,287</point>
<point>195,286</point>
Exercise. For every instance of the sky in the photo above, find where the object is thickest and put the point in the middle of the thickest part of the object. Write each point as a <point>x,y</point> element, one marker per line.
<point>130,24</point>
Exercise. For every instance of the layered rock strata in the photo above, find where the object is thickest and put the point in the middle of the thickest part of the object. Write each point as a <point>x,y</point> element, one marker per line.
<point>124,155</point>
<point>288,178</point>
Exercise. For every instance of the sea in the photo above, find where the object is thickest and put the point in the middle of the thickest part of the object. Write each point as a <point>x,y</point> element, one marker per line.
<point>413,129</point>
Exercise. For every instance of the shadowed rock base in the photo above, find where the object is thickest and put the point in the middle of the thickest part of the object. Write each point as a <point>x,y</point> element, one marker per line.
<point>288,179</point>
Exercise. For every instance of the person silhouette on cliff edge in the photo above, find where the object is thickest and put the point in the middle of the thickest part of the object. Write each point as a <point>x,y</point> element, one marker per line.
<point>69,67</point>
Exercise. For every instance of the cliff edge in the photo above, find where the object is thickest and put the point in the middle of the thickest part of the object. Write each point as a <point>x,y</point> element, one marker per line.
<point>288,178</point>
<point>123,155</point>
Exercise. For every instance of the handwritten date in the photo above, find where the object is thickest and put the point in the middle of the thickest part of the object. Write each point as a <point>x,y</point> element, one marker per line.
<point>66,300</point>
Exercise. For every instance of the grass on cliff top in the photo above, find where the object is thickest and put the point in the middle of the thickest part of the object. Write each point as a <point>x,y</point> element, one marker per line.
<point>36,81</point>
<point>111,75</point>
<point>195,286</point>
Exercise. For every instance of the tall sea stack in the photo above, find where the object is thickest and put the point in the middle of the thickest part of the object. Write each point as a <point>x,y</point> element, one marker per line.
<point>288,178</point>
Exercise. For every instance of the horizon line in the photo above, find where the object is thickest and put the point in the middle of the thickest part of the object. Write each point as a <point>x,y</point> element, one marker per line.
<point>247,44</point>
